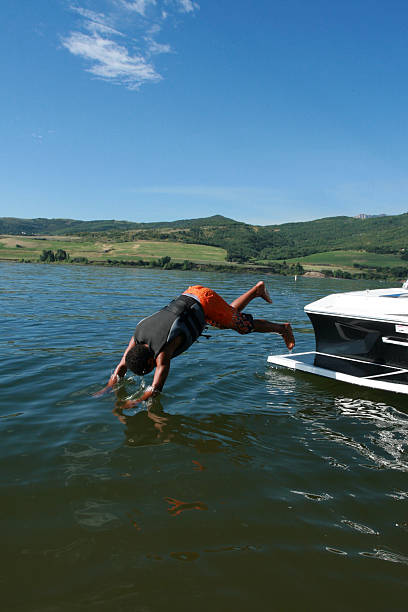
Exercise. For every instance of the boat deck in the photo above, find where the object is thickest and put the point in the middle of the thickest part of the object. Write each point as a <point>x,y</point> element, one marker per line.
<point>362,373</point>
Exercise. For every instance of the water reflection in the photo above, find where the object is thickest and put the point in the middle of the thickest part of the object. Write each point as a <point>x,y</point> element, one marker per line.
<point>208,434</point>
<point>316,392</point>
<point>376,430</point>
<point>177,506</point>
<point>146,427</point>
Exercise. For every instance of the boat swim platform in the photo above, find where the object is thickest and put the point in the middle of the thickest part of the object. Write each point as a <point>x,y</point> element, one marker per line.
<point>366,374</point>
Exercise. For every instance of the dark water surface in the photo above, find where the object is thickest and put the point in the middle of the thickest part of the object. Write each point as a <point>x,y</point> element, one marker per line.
<point>243,486</point>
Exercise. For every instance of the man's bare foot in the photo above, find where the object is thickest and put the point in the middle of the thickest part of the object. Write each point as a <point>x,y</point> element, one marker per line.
<point>261,291</point>
<point>288,336</point>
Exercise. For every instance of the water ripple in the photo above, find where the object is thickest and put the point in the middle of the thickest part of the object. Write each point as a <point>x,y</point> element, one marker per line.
<point>237,467</point>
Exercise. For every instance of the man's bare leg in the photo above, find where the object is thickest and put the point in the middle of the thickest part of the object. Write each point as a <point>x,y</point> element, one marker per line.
<point>261,325</point>
<point>284,329</point>
<point>258,290</point>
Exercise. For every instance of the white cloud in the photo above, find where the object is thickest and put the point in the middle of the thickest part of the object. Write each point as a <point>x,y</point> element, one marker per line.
<point>187,6</point>
<point>95,22</point>
<point>95,39</point>
<point>139,6</point>
<point>40,135</point>
<point>37,137</point>
<point>156,48</point>
<point>111,61</point>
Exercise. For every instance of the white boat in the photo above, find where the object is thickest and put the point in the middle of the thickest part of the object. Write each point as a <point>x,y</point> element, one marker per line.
<point>361,338</point>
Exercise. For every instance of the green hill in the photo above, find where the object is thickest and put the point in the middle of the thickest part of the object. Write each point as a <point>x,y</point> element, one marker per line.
<point>41,226</point>
<point>243,242</point>
<point>386,234</point>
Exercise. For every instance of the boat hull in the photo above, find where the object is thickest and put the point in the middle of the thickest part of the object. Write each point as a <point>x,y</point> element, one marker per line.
<point>367,340</point>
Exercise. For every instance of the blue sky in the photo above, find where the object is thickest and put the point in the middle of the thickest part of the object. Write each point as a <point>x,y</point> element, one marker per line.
<point>264,111</point>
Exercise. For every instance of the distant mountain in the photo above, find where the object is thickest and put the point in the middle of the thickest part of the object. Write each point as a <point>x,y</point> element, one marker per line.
<point>40,226</point>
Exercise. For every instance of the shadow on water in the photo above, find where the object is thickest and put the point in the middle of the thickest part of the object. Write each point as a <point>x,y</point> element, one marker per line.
<point>209,433</point>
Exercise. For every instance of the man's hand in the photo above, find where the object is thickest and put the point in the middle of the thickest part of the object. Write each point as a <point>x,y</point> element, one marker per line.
<point>150,392</point>
<point>119,372</point>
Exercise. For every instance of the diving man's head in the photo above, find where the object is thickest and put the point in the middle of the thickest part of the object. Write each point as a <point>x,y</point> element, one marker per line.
<point>140,359</point>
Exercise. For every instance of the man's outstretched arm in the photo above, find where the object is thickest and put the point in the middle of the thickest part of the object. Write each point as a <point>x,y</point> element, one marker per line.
<point>120,369</point>
<point>159,378</point>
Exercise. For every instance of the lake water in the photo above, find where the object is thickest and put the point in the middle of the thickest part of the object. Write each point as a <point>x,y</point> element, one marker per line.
<point>245,486</point>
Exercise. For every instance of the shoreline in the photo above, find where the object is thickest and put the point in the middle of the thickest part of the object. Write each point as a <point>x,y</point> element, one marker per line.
<point>235,268</point>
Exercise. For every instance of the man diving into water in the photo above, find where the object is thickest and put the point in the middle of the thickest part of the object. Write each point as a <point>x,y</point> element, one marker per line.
<point>172,330</point>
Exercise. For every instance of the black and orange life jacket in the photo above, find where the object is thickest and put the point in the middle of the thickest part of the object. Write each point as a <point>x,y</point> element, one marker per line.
<point>183,316</point>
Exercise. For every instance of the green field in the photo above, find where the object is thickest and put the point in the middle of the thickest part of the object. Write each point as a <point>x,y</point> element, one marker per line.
<point>346,259</point>
<point>31,248</point>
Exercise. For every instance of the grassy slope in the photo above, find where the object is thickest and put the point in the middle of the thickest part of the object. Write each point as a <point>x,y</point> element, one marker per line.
<point>346,259</point>
<point>31,248</point>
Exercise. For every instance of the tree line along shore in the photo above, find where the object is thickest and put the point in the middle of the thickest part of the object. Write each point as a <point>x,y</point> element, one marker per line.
<point>60,256</point>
